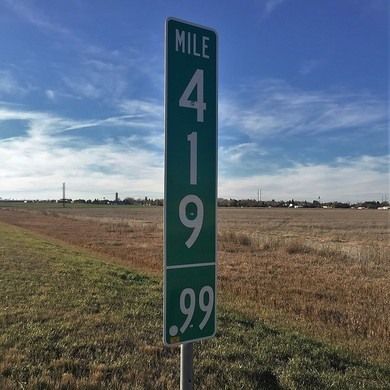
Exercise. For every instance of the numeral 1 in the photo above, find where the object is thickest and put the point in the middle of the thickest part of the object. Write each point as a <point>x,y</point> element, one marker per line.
<point>193,140</point>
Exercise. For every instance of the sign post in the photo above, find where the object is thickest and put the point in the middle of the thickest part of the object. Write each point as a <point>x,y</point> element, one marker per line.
<point>190,183</point>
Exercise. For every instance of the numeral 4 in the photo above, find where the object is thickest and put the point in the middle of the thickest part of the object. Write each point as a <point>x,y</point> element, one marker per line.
<point>199,105</point>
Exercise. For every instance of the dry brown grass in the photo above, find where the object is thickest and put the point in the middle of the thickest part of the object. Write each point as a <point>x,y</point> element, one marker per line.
<point>323,272</point>
<point>326,272</point>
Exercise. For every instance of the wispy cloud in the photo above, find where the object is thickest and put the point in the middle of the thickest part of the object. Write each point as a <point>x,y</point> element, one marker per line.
<point>35,169</point>
<point>105,73</point>
<point>50,94</point>
<point>38,19</point>
<point>271,5</point>
<point>143,108</point>
<point>10,86</point>
<point>241,159</point>
<point>97,77</point>
<point>273,108</point>
<point>309,66</point>
<point>135,113</point>
<point>33,164</point>
<point>237,152</point>
<point>111,76</point>
<point>344,179</point>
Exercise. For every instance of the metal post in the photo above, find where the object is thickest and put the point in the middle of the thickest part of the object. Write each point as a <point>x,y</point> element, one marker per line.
<point>186,371</point>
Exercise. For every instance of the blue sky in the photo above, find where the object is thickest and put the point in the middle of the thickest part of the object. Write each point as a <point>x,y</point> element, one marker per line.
<point>303,97</point>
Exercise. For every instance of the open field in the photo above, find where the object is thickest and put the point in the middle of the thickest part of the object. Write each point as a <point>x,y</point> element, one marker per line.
<point>70,320</point>
<point>323,273</point>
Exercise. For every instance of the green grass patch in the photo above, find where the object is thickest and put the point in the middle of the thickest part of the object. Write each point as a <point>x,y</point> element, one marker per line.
<point>69,320</point>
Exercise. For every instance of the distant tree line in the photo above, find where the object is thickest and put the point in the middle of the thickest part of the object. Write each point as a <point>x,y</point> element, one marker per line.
<point>222,202</point>
<point>299,204</point>
<point>127,201</point>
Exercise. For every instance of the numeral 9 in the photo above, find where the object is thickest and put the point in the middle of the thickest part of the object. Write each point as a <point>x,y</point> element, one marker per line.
<point>195,223</point>
<point>189,309</point>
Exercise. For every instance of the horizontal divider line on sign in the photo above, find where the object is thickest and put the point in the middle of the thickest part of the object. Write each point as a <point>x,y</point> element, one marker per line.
<point>190,265</point>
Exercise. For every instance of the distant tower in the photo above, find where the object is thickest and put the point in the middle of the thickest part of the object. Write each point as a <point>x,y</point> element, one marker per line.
<point>63,194</point>
<point>116,197</point>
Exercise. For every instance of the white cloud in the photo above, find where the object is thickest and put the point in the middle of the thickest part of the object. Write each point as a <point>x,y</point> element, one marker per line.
<point>105,73</point>
<point>98,72</point>
<point>273,108</point>
<point>309,66</point>
<point>362,178</point>
<point>140,114</point>
<point>84,88</point>
<point>38,19</point>
<point>110,76</point>
<point>240,158</point>
<point>35,165</point>
<point>143,108</point>
<point>9,85</point>
<point>237,152</point>
<point>271,5</point>
<point>50,94</point>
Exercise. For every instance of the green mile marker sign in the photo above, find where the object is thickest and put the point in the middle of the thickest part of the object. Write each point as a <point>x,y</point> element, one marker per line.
<point>190,182</point>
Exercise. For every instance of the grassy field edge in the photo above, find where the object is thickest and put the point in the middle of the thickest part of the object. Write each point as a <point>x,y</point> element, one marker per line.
<point>70,320</point>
